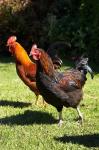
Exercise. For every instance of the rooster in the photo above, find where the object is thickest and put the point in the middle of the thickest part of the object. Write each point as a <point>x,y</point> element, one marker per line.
<point>60,89</point>
<point>25,68</point>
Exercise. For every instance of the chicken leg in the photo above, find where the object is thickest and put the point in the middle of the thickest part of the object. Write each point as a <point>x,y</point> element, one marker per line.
<point>60,119</point>
<point>80,119</point>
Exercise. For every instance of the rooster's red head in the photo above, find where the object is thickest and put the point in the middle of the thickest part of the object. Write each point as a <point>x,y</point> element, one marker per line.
<point>35,52</point>
<point>11,40</point>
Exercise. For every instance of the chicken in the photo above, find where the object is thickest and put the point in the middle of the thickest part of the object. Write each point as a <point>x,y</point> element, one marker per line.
<point>25,68</point>
<point>60,89</point>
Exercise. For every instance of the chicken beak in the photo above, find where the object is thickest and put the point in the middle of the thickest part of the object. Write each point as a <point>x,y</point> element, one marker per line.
<point>30,54</point>
<point>90,71</point>
<point>34,55</point>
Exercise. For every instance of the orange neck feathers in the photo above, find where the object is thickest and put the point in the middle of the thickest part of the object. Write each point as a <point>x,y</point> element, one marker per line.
<point>47,63</point>
<point>20,54</point>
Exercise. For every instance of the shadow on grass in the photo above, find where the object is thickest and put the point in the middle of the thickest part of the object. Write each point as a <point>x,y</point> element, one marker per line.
<point>28,118</point>
<point>14,104</point>
<point>86,140</point>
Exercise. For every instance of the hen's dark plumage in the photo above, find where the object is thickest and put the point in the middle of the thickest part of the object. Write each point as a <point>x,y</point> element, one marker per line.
<point>60,89</point>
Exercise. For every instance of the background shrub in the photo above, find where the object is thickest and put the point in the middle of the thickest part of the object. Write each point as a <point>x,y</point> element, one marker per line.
<point>45,22</point>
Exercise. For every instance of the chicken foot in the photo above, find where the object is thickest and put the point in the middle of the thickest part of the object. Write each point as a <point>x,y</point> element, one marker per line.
<point>60,119</point>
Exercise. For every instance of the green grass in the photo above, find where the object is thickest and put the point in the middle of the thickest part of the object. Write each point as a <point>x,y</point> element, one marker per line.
<point>26,126</point>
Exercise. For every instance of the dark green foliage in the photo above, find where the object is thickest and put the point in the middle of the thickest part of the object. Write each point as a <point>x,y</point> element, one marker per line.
<point>45,22</point>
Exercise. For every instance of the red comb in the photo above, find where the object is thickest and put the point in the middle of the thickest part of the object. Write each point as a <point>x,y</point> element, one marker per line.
<point>11,39</point>
<point>34,46</point>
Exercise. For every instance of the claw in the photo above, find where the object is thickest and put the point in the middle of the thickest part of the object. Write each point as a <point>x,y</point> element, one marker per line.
<point>60,123</point>
<point>80,120</point>
<point>60,119</point>
<point>37,96</point>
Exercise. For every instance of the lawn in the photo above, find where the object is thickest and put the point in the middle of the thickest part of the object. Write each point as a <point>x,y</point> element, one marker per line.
<point>26,126</point>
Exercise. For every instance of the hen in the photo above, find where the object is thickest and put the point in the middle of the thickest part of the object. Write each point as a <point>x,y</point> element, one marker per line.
<point>25,68</point>
<point>60,89</point>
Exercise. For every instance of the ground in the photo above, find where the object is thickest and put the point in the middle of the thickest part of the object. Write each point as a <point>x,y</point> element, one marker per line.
<point>26,126</point>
